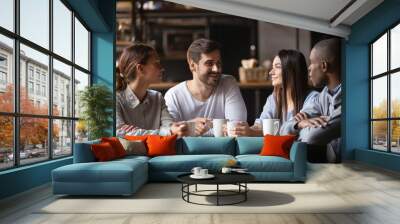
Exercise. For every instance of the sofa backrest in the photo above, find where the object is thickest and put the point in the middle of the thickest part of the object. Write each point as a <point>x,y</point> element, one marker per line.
<point>249,145</point>
<point>206,145</point>
<point>83,153</point>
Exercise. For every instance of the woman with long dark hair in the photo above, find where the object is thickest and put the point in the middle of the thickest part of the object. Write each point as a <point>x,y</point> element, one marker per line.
<point>141,111</point>
<point>291,93</point>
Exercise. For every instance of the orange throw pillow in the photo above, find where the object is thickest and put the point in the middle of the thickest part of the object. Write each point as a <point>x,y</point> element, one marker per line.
<point>277,145</point>
<point>116,145</point>
<point>136,138</point>
<point>161,145</point>
<point>103,151</point>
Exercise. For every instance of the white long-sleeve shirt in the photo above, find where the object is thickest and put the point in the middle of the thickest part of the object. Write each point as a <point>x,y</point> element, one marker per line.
<point>226,102</point>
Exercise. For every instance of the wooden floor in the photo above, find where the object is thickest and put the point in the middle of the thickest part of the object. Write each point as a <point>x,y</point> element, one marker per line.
<point>377,188</point>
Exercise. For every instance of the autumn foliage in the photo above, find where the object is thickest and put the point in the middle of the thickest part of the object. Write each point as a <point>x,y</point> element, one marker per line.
<point>33,130</point>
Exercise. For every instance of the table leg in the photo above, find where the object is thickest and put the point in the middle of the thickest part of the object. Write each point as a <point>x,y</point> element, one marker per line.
<point>217,194</point>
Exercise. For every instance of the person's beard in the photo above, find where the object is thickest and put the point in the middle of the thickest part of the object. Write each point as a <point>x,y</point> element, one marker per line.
<point>210,78</point>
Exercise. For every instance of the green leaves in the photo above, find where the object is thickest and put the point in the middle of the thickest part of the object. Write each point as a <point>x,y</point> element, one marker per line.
<point>96,102</point>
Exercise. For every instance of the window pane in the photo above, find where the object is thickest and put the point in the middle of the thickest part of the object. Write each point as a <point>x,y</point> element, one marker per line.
<point>62,138</point>
<point>62,89</point>
<point>6,74</point>
<point>34,97</point>
<point>395,47</point>
<point>62,29</point>
<point>81,45</point>
<point>33,140</point>
<point>395,138</point>
<point>6,142</point>
<point>395,95</point>
<point>81,81</point>
<point>81,131</point>
<point>7,14</point>
<point>379,97</point>
<point>379,55</point>
<point>379,135</point>
<point>35,21</point>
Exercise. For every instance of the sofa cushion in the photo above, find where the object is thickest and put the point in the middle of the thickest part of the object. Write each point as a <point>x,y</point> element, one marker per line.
<point>206,145</point>
<point>185,163</point>
<point>277,145</point>
<point>249,145</point>
<point>112,171</point>
<point>257,163</point>
<point>103,152</point>
<point>161,145</point>
<point>116,145</point>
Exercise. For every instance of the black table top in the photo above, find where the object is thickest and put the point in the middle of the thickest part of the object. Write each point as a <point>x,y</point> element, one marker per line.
<point>220,178</point>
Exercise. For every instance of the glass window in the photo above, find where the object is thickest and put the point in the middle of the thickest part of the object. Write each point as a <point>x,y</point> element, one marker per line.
<point>6,73</point>
<point>385,111</point>
<point>6,142</point>
<point>395,95</point>
<point>379,98</point>
<point>62,72</point>
<point>379,56</point>
<point>81,45</point>
<point>62,138</point>
<point>7,14</point>
<point>34,79</point>
<point>35,21</point>
<point>395,138</point>
<point>33,140</point>
<point>40,62</point>
<point>62,29</point>
<point>81,81</point>
<point>395,47</point>
<point>30,88</point>
<point>81,131</point>
<point>379,133</point>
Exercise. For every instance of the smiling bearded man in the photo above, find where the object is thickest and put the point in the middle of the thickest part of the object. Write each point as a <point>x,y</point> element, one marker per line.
<point>210,94</point>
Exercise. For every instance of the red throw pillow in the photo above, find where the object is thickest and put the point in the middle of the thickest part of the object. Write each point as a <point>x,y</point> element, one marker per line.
<point>116,145</point>
<point>161,145</point>
<point>277,145</point>
<point>103,151</point>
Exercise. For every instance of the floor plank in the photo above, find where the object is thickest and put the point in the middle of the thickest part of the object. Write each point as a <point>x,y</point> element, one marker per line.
<point>376,189</point>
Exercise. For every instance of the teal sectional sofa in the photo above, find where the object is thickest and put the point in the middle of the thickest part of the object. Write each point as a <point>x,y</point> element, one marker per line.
<point>125,176</point>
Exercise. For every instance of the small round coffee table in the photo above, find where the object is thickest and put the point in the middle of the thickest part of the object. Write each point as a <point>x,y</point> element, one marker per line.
<point>238,179</point>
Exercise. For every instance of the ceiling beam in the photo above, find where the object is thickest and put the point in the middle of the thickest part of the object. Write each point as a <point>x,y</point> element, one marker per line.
<point>268,15</point>
<point>346,12</point>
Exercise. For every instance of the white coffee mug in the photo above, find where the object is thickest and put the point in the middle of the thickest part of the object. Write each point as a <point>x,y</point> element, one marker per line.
<point>191,125</point>
<point>218,127</point>
<point>270,126</point>
<point>203,172</point>
<point>196,170</point>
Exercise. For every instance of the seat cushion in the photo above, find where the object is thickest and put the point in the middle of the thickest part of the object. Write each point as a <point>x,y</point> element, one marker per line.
<point>257,163</point>
<point>112,171</point>
<point>185,163</point>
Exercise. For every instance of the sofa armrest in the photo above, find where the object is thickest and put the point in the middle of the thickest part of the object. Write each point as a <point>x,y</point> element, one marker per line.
<point>298,155</point>
<point>83,152</point>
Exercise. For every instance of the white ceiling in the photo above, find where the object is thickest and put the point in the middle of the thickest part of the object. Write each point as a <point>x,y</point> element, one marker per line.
<point>314,15</point>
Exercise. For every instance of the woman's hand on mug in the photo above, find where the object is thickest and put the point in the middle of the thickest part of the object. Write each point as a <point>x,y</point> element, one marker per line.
<point>241,129</point>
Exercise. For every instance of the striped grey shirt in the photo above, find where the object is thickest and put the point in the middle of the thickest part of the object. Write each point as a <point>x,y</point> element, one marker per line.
<point>150,116</point>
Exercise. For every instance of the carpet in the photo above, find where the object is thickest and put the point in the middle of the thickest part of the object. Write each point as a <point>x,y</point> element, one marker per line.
<point>166,198</point>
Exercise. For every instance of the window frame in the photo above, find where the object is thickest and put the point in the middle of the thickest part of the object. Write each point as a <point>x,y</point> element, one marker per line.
<point>388,74</point>
<point>16,114</point>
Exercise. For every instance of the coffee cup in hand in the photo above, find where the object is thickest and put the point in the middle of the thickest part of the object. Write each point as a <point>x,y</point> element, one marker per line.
<point>218,127</point>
